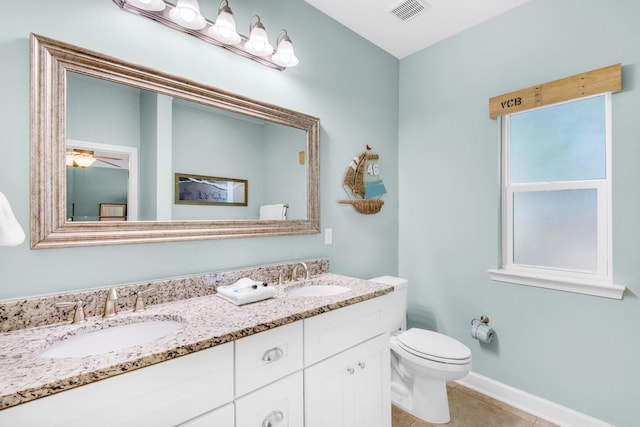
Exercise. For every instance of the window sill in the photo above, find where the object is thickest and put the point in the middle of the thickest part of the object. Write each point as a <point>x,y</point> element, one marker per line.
<point>598,288</point>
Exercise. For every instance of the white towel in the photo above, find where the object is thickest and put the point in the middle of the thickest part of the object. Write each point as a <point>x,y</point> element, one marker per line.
<point>277,211</point>
<point>245,291</point>
<point>11,234</point>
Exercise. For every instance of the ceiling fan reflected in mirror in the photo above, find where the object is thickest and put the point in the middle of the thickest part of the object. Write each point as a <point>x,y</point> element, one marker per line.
<point>85,158</point>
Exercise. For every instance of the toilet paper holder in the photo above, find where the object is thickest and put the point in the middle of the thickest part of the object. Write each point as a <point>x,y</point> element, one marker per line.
<point>481,331</point>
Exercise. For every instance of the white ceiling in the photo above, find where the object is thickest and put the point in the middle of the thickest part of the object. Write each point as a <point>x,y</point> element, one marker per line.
<point>439,20</point>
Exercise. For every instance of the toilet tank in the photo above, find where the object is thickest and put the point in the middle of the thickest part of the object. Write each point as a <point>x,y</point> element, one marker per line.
<point>397,312</point>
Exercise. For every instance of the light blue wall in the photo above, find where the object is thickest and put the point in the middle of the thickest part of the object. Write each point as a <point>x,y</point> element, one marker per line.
<point>114,116</point>
<point>579,351</point>
<point>150,107</point>
<point>281,164</point>
<point>329,83</point>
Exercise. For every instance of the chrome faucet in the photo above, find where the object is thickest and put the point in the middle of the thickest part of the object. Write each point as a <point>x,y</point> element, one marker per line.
<point>294,272</point>
<point>110,308</point>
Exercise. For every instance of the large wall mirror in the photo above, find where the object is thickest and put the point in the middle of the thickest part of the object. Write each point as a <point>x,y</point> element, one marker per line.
<point>111,136</point>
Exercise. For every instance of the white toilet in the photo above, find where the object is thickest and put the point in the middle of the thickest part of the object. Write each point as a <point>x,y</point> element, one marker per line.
<point>422,361</point>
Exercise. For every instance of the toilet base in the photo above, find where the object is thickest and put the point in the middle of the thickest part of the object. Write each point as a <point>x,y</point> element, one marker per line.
<point>428,400</point>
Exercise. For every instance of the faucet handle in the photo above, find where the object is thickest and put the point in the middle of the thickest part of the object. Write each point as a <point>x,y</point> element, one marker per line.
<point>138,305</point>
<point>79,315</point>
<point>110,308</point>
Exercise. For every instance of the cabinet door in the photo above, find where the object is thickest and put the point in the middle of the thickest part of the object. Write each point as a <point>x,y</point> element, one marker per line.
<point>372,386</point>
<point>328,391</point>
<point>350,389</point>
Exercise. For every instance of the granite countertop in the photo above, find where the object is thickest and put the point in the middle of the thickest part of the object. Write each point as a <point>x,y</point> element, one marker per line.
<point>209,321</point>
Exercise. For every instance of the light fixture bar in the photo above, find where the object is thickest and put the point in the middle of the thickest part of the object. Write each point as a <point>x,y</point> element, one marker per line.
<point>163,17</point>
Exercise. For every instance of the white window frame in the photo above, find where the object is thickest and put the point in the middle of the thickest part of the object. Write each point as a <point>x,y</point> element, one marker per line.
<point>599,282</point>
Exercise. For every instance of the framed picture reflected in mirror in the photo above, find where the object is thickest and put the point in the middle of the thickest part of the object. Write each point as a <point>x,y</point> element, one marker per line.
<point>210,190</point>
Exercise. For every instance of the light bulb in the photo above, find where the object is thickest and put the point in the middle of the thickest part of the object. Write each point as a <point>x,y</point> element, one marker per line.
<point>187,14</point>
<point>84,160</point>
<point>285,55</point>
<point>258,43</point>
<point>226,24</point>
<point>224,29</point>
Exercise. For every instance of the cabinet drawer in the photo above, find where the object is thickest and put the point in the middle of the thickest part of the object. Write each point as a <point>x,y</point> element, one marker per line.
<point>334,331</point>
<point>265,357</point>
<point>277,405</point>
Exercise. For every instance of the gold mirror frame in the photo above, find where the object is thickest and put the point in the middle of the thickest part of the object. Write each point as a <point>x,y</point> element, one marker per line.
<point>50,61</point>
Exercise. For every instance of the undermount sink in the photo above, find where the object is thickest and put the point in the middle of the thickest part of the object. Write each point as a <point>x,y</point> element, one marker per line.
<point>317,290</point>
<point>112,338</point>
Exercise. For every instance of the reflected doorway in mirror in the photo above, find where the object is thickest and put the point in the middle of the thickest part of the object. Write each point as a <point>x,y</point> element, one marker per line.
<point>83,195</point>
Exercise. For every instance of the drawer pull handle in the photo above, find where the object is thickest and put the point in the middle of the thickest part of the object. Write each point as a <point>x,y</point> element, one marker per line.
<point>361,365</point>
<point>350,370</point>
<point>273,418</point>
<point>273,354</point>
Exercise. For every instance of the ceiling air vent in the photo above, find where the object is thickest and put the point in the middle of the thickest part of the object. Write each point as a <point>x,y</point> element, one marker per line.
<point>408,9</point>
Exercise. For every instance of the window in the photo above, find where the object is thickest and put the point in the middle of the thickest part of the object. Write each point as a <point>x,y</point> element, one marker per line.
<point>556,197</point>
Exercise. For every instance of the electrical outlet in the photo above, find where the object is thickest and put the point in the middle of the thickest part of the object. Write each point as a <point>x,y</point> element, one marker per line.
<point>328,236</point>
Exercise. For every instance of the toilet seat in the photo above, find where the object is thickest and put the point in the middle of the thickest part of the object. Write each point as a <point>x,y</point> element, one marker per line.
<point>434,346</point>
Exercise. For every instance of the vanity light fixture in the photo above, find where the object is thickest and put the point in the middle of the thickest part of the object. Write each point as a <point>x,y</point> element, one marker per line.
<point>285,55</point>
<point>258,43</point>
<point>224,29</point>
<point>185,16</point>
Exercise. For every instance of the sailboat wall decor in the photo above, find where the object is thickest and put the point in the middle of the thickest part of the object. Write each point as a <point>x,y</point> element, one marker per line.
<point>363,183</point>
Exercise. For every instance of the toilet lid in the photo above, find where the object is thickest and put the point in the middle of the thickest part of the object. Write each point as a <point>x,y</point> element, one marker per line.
<point>434,346</point>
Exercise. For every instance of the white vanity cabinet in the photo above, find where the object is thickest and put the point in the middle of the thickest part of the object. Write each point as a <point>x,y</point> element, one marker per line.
<point>331,369</point>
<point>164,394</point>
<point>346,376</point>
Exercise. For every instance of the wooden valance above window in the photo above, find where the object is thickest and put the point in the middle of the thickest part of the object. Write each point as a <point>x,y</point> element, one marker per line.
<point>602,80</point>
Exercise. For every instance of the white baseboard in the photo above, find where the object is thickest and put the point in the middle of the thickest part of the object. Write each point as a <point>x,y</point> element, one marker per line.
<point>534,405</point>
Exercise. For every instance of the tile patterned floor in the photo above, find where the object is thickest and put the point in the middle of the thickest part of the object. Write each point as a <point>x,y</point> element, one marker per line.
<point>472,409</point>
